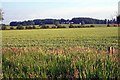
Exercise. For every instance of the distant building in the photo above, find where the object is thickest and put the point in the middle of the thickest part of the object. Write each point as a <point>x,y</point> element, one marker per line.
<point>119,8</point>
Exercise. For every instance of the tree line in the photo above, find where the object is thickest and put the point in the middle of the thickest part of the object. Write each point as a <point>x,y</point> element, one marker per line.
<point>80,20</point>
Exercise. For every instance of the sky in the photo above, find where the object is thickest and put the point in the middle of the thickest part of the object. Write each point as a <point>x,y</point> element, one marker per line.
<point>20,10</point>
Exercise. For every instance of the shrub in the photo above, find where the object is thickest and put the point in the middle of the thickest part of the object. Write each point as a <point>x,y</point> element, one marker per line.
<point>79,26</point>
<point>83,26</point>
<point>34,27</point>
<point>92,26</point>
<point>86,26</point>
<point>4,27</point>
<point>20,27</point>
<point>59,26</point>
<point>28,27</point>
<point>44,27</point>
<point>12,27</point>
<point>108,25</point>
<point>71,26</point>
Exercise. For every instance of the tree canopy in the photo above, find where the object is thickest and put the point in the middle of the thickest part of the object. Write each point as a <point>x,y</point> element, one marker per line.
<point>62,21</point>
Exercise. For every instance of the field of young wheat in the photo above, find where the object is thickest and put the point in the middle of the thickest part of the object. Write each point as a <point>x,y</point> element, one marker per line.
<point>61,53</point>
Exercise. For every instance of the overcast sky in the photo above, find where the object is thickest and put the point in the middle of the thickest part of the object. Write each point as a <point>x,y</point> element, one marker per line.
<point>20,10</point>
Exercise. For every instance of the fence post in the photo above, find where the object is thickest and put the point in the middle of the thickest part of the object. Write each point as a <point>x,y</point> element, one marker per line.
<point>111,50</point>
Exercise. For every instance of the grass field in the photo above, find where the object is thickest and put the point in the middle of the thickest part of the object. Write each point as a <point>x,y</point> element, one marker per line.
<point>60,53</point>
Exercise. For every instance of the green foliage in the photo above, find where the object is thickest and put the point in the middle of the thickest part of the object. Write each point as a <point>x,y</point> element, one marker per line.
<point>43,65</point>
<point>29,27</point>
<point>20,27</point>
<point>44,27</point>
<point>60,26</point>
<point>61,53</point>
<point>34,27</point>
<point>75,26</point>
<point>52,26</point>
<point>108,25</point>
<point>4,27</point>
<point>71,26</point>
<point>11,27</point>
<point>92,26</point>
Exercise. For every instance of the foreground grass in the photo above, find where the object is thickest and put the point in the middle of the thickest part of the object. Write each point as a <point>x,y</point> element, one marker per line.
<point>72,65</point>
<point>60,53</point>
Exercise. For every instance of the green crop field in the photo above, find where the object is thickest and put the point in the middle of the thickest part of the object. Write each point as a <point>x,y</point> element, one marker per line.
<point>61,53</point>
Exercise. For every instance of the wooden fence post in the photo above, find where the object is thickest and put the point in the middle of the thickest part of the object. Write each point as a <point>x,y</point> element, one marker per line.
<point>111,50</point>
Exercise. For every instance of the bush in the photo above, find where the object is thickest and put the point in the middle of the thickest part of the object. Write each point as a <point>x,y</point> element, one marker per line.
<point>12,27</point>
<point>28,27</point>
<point>59,26</point>
<point>4,27</point>
<point>71,26</point>
<point>108,25</point>
<point>92,26</point>
<point>44,27</point>
<point>83,26</point>
<point>34,27</point>
<point>79,26</point>
<point>20,27</point>
<point>86,26</point>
